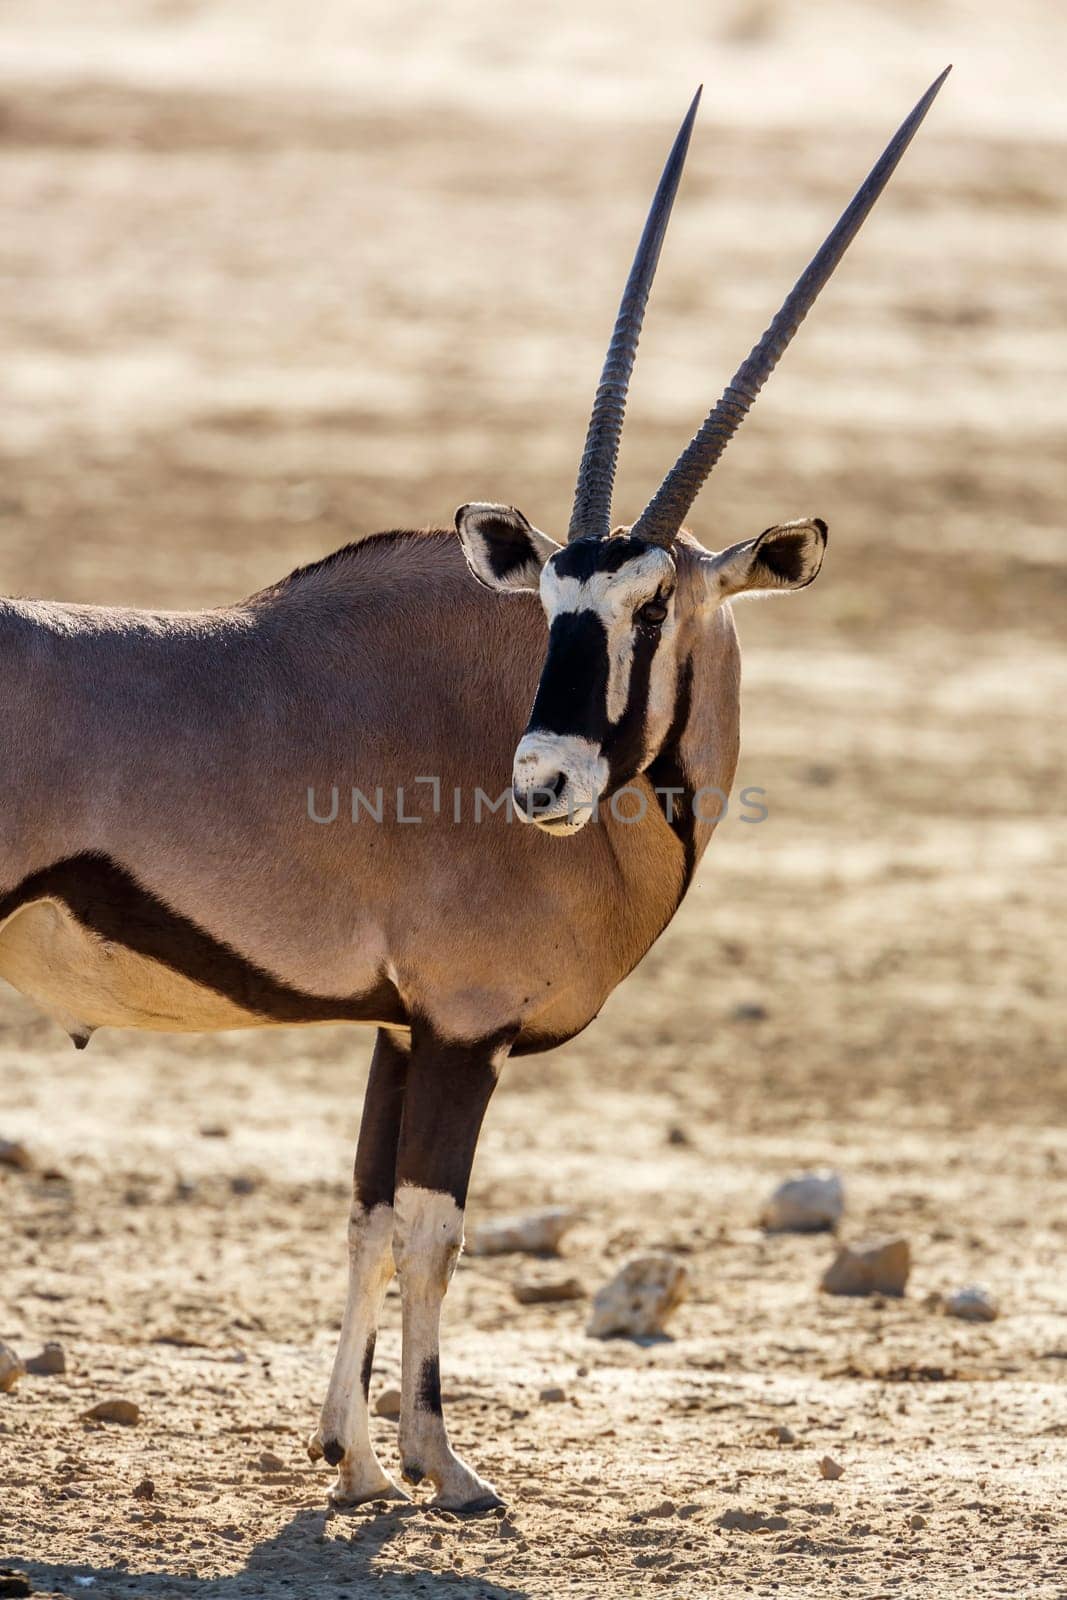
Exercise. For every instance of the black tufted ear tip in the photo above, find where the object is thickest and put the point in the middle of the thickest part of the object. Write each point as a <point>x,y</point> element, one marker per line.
<point>823,529</point>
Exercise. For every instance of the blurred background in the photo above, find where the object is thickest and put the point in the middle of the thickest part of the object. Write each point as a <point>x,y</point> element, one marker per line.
<point>274,275</point>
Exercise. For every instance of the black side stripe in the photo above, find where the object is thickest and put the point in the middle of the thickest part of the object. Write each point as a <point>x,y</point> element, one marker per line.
<point>111,903</point>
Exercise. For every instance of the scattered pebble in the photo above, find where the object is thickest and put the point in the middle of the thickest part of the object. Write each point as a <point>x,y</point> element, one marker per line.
<point>269,1462</point>
<point>243,1183</point>
<point>880,1268</point>
<point>829,1468</point>
<point>145,1490</point>
<point>916,1521</point>
<point>214,1130</point>
<point>11,1368</point>
<point>808,1202</point>
<point>545,1291</point>
<point>783,1435</point>
<point>552,1396</point>
<point>51,1362</point>
<point>751,1521</point>
<point>750,1011</point>
<point>972,1304</point>
<point>639,1299</point>
<point>676,1135</point>
<point>388,1404</point>
<point>121,1411</point>
<point>539,1233</point>
<point>15,1154</point>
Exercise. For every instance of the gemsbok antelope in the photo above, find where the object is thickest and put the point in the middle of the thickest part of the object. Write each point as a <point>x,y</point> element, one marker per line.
<point>172,856</point>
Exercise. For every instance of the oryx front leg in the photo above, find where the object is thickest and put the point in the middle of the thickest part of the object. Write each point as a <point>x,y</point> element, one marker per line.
<point>343,1436</point>
<point>447,1092</point>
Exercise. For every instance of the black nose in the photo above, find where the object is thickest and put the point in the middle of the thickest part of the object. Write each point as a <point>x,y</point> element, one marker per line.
<point>542,797</point>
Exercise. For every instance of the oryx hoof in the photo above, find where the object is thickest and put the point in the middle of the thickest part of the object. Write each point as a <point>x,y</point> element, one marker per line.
<point>346,1497</point>
<point>476,1506</point>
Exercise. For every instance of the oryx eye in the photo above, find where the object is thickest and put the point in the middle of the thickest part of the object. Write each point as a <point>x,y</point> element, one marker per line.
<point>652,613</point>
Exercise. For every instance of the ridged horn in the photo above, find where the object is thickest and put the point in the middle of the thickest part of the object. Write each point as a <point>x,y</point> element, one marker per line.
<point>667,510</point>
<point>596,475</point>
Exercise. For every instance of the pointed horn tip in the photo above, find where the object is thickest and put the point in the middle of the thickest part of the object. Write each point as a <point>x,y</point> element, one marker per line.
<point>937,83</point>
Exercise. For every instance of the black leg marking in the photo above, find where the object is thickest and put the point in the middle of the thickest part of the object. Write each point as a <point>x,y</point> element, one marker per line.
<point>428,1397</point>
<point>368,1365</point>
<point>448,1090</point>
<point>334,1452</point>
<point>379,1130</point>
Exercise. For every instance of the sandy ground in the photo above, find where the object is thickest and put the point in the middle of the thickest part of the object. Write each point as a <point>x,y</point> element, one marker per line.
<point>274,276</point>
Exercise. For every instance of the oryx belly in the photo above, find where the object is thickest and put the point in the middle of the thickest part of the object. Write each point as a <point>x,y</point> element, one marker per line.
<point>93,946</point>
<point>85,981</point>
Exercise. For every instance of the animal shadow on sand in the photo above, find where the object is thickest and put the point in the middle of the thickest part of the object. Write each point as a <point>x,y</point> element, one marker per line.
<point>352,1560</point>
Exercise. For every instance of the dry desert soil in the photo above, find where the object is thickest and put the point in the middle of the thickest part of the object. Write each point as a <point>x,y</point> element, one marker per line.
<point>275,276</point>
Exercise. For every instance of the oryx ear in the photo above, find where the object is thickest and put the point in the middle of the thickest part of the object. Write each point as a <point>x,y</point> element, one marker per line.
<point>786,557</point>
<point>502,549</point>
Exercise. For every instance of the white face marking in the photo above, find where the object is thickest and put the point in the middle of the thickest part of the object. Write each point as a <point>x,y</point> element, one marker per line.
<point>614,597</point>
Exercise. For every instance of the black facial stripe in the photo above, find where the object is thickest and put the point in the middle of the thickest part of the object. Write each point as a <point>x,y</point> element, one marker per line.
<point>104,897</point>
<point>586,556</point>
<point>626,745</point>
<point>667,772</point>
<point>572,696</point>
<point>507,547</point>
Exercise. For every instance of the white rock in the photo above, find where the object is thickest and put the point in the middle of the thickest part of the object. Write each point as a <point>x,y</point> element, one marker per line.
<point>537,1234</point>
<point>639,1299</point>
<point>972,1304</point>
<point>808,1202</point>
<point>880,1268</point>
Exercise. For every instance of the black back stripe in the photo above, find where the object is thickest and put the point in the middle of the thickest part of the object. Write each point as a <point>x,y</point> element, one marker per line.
<point>111,903</point>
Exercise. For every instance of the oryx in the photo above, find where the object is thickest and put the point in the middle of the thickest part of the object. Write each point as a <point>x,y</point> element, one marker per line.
<point>176,853</point>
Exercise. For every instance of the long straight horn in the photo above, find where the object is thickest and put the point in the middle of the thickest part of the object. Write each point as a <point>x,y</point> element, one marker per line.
<point>666,511</point>
<point>596,475</point>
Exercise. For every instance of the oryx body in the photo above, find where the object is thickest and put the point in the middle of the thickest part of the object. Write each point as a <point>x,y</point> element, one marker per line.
<point>162,865</point>
<point>183,846</point>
